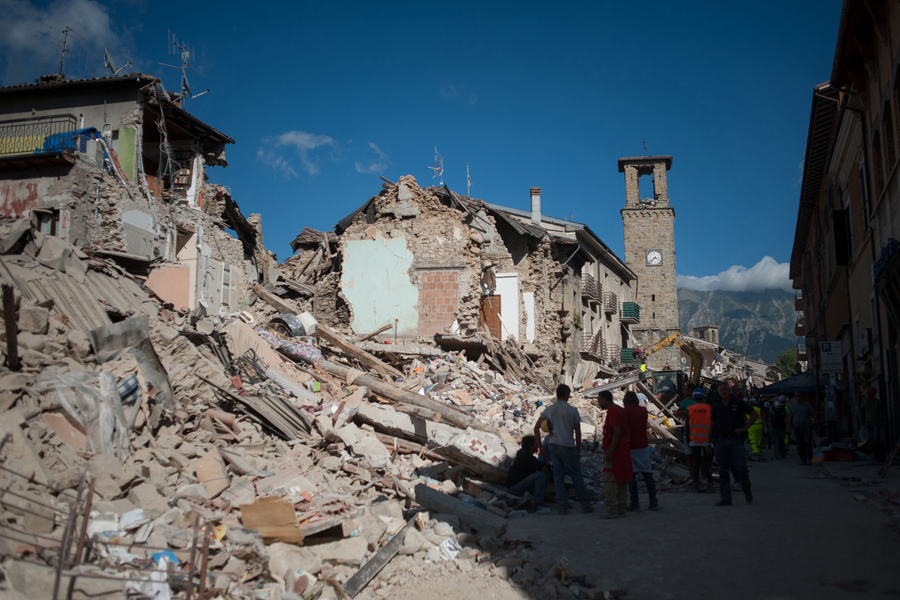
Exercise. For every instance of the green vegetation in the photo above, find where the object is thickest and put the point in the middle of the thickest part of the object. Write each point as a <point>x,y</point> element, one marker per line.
<point>787,361</point>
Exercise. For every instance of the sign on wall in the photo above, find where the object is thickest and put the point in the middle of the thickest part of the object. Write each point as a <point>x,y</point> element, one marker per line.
<point>832,357</point>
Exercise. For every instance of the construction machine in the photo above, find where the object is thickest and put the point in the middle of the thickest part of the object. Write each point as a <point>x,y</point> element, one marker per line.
<point>672,381</point>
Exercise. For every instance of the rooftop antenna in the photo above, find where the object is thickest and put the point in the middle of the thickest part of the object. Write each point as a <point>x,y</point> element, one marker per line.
<point>438,167</point>
<point>62,43</point>
<point>468,182</point>
<point>187,54</point>
<point>644,142</point>
<point>109,66</point>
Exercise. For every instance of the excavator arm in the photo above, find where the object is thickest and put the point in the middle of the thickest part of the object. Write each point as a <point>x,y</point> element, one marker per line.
<point>686,347</point>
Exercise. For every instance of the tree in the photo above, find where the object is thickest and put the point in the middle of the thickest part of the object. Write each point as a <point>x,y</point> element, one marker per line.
<point>787,361</point>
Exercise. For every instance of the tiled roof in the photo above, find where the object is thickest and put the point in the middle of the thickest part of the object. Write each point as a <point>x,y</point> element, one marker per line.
<point>136,77</point>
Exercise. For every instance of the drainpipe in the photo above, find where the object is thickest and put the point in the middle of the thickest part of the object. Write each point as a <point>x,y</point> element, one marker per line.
<point>536,206</point>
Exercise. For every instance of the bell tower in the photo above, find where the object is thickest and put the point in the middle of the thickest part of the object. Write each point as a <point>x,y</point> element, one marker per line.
<point>650,252</point>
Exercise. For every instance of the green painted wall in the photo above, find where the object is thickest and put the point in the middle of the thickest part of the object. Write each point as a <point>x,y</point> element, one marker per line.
<point>125,152</point>
<point>376,283</point>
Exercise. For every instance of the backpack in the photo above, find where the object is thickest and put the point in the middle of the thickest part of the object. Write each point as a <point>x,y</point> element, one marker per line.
<point>779,419</point>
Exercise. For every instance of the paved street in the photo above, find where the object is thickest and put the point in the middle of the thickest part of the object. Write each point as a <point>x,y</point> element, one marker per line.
<point>802,538</point>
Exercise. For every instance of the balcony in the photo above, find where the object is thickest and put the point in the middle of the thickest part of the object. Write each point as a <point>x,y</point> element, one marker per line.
<point>631,313</point>
<point>799,302</point>
<point>802,354</point>
<point>800,327</point>
<point>593,345</point>
<point>626,356</point>
<point>612,355</point>
<point>610,303</point>
<point>43,135</point>
<point>590,287</point>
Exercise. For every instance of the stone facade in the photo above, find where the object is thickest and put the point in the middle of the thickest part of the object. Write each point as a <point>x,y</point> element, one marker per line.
<point>649,225</point>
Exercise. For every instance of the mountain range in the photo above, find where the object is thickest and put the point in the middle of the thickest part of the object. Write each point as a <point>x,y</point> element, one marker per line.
<point>759,323</point>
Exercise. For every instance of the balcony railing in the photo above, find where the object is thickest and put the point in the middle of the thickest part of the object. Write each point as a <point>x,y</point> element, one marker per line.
<point>800,327</point>
<point>626,356</point>
<point>610,303</point>
<point>590,287</point>
<point>39,135</point>
<point>593,346</point>
<point>799,303</point>
<point>631,312</point>
<point>612,354</point>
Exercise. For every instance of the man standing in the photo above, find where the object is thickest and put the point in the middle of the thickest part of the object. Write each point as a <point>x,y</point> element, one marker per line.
<point>617,470</point>
<point>871,414</point>
<point>700,417</point>
<point>636,415</point>
<point>778,427</point>
<point>528,474</point>
<point>565,447</point>
<point>728,425</point>
<point>800,425</point>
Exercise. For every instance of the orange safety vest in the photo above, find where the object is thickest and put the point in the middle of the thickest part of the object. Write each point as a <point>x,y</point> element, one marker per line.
<point>700,416</point>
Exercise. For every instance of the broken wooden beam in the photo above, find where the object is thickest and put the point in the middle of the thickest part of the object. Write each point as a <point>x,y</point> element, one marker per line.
<point>272,300</point>
<point>369,570</point>
<point>478,519</point>
<point>9,319</point>
<point>425,414</point>
<point>449,414</point>
<point>333,338</point>
<point>369,336</point>
<point>406,447</point>
<point>409,349</point>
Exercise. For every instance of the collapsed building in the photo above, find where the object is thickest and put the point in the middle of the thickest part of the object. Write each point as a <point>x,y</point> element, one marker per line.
<point>428,264</point>
<point>116,167</point>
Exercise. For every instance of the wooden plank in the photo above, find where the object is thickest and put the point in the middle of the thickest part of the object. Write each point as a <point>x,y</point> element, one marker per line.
<point>369,570</point>
<point>406,447</point>
<point>333,338</point>
<point>272,300</point>
<point>417,411</point>
<point>402,349</point>
<point>374,333</point>
<point>480,520</point>
<point>9,319</point>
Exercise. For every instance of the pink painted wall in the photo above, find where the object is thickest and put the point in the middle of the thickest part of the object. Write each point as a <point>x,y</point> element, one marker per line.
<point>172,284</point>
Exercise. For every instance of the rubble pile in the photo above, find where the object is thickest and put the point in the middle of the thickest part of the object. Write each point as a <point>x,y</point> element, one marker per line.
<point>148,452</point>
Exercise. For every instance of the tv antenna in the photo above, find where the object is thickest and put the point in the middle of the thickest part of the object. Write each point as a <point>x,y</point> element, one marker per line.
<point>187,54</point>
<point>62,43</point>
<point>109,66</point>
<point>644,142</point>
<point>468,182</point>
<point>438,167</point>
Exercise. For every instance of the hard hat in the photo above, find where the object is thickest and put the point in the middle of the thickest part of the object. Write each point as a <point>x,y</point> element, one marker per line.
<point>777,404</point>
<point>698,393</point>
<point>545,426</point>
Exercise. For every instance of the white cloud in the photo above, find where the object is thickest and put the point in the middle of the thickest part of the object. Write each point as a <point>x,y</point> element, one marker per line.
<point>276,162</point>
<point>449,91</point>
<point>766,274</point>
<point>30,54</point>
<point>303,143</point>
<point>377,165</point>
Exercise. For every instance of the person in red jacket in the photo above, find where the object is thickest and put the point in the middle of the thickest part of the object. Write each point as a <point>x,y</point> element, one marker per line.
<point>617,470</point>
<point>640,451</point>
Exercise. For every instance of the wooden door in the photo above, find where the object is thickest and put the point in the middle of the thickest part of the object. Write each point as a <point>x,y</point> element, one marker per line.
<point>489,315</point>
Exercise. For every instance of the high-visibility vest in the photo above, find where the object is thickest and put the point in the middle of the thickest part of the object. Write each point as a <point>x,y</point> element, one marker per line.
<point>700,416</point>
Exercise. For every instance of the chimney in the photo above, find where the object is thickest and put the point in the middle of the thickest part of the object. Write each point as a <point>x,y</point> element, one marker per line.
<point>536,206</point>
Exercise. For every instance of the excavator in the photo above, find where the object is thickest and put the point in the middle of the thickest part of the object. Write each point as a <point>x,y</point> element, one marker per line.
<point>672,381</point>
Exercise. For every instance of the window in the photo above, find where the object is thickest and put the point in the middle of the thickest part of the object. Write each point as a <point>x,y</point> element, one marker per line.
<point>48,222</point>
<point>652,297</point>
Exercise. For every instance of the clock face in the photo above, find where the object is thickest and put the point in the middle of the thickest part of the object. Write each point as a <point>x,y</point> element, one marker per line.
<point>654,258</point>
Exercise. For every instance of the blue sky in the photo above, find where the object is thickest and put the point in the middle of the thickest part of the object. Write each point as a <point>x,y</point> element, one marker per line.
<point>322,98</point>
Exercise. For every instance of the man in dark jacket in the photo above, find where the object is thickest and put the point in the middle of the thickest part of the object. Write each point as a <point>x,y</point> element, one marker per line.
<point>730,419</point>
<point>528,474</point>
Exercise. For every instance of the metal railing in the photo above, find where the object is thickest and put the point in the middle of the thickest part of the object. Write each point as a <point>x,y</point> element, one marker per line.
<point>626,356</point>
<point>38,135</point>
<point>612,354</point>
<point>610,302</point>
<point>590,287</point>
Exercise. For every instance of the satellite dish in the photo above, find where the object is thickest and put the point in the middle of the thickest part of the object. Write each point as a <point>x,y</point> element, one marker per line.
<point>109,63</point>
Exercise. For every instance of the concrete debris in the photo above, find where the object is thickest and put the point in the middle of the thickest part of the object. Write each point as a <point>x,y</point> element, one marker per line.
<point>274,461</point>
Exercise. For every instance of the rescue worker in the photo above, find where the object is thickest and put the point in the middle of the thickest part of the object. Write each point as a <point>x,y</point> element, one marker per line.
<point>778,423</point>
<point>755,432</point>
<point>700,415</point>
<point>731,418</point>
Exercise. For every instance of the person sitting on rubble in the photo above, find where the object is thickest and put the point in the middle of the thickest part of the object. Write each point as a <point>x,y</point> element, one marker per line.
<point>565,448</point>
<point>640,451</point>
<point>528,474</point>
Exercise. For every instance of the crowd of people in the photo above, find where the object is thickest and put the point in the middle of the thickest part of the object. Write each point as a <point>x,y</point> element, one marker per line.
<point>718,424</point>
